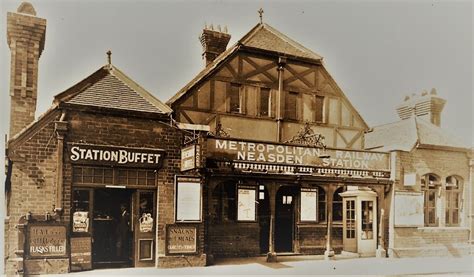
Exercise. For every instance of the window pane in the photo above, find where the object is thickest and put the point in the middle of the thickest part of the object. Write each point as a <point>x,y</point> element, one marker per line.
<point>367,216</point>
<point>234,98</point>
<point>290,105</point>
<point>318,108</point>
<point>264,101</point>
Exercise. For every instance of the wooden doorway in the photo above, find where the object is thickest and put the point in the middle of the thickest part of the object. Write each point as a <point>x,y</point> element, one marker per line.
<point>285,218</point>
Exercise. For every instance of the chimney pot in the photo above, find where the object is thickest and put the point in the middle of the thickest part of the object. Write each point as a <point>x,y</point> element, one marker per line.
<point>426,105</point>
<point>213,43</point>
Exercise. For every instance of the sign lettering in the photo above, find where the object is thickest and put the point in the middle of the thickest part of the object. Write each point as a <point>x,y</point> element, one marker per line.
<point>300,155</point>
<point>181,239</point>
<point>47,241</point>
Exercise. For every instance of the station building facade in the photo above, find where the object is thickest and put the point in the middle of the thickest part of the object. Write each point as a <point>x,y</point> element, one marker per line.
<point>260,154</point>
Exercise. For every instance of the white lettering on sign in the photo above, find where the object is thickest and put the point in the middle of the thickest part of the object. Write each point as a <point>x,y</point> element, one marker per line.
<point>291,154</point>
<point>119,156</point>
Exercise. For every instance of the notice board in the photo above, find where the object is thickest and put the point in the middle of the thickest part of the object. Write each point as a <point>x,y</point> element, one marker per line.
<point>409,209</point>
<point>181,239</point>
<point>81,250</point>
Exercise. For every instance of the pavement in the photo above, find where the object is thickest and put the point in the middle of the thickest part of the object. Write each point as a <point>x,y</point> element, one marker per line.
<point>309,265</point>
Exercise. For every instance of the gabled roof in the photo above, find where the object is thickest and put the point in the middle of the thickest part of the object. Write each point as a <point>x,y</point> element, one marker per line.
<point>263,37</point>
<point>110,88</point>
<point>405,135</point>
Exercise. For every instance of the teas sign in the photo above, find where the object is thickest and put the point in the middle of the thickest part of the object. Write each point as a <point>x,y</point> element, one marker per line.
<point>47,241</point>
<point>181,239</point>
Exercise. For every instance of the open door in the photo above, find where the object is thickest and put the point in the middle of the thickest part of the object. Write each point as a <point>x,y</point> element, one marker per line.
<point>144,221</point>
<point>349,225</point>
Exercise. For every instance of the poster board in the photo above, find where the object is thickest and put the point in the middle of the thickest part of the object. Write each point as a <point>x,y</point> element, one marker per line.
<point>47,240</point>
<point>408,210</point>
<point>188,199</point>
<point>309,198</point>
<point>246,203</point>
<point>181,239</point>
<point>81,253</point>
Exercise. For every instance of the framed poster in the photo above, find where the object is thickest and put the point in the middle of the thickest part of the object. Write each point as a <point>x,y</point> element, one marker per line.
<point>308,205</point>
<point>246,203</point>
<point>81,253</point>
<point>188,199</point>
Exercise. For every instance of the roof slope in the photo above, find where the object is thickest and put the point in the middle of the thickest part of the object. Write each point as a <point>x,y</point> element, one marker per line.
<point>110,88</point>
<point>262,36</point>
<point>405,135</point>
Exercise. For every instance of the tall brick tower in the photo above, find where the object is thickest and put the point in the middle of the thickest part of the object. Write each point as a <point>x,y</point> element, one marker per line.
<point>26,36</point>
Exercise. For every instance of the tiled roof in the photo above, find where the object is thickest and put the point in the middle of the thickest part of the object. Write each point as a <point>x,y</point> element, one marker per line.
<point>265,37</point>
<point>407,134</point>
<point>262,36</point>
<point>110,88</point>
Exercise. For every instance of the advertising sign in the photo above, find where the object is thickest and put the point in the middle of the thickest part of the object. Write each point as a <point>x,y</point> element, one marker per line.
<point>299,155</point>
<point>409,209</point>
<point>81,249</point>
<point>80,222</point>
<point>308,204</point>
<point>181,239</point>
<point>246,203</point>
<point>190,157</point>
<point>188,199</point>
<point>47,241</point>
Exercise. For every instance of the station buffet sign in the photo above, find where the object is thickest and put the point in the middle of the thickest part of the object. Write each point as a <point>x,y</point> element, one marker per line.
<point>237,150</point>
<point>115,155</point>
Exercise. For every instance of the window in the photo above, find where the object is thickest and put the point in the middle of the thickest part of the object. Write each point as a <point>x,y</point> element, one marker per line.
<point>430,185</point>
<point>350,219</point>
<point>453,195</point>
<point>337,205</point>
<point>235,99</point>
<point>81,210</point>
<point>224,202</point>
<point>367,215</point>
<point>87,175</point>
<point>291,105</point>
<point>321,204</point>
<point>318,109</point>
<point>265,102</point>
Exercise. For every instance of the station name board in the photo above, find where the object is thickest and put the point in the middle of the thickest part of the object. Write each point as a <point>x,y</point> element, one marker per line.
<point>113,155</point>
<point>299,155</point>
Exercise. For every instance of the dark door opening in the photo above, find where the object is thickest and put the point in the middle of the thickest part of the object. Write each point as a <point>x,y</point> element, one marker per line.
<point>112,237</point>
<point>284,219</point>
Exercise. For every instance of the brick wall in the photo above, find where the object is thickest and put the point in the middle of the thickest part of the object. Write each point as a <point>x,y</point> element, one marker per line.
<point>33,181</point>
<point>432,241</point>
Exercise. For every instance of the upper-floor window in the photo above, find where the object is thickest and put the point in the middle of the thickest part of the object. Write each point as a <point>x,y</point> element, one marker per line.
<point>265,102</point>
<point>430,185</point>
<point>291,108</point>
<point>235,99</point>
<point>453,199</point>
<point>318,108</point>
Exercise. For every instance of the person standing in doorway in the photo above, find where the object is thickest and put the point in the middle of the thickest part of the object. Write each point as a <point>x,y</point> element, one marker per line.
<point>123,233</point>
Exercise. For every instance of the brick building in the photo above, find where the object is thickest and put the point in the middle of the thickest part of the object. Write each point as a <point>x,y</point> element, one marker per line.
<point>90,183</point>
<point>260,154</point>
<point>430,200</point>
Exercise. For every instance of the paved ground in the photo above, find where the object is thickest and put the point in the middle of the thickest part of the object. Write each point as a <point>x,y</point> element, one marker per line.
<point>310,265</point>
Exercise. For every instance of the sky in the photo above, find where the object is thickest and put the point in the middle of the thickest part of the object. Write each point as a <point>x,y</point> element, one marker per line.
<point>377,51</point>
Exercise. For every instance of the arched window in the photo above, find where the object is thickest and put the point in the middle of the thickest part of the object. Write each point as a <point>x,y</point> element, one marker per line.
<point>453,197</point>
<point>337,205</point>
<point>430,184</point>
<point>321,204</point>
<point>224,202</point>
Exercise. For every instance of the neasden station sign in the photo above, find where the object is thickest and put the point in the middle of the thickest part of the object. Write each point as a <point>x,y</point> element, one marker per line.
<point>299,155</point>
<point>113,155</point>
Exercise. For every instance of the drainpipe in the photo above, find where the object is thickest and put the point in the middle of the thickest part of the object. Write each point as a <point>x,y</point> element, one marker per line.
<point>279,102</point>
<point>60,127</point>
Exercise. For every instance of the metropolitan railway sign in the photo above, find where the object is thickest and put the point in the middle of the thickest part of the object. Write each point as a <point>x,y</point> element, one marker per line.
<point>272,153</point>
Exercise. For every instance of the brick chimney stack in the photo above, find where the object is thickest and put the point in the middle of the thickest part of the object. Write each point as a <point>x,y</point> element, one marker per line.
<point>26,36</point>
<point>427,105</point>
<point>214,42</point>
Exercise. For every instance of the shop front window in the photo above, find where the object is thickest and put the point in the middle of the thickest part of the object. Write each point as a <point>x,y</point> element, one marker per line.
<point>224,202</point>
<point>350,219</point>
<point>81,201</point>
<point>337,205</point>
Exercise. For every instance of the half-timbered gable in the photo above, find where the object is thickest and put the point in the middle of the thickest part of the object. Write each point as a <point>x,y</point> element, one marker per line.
<point>267,81</point>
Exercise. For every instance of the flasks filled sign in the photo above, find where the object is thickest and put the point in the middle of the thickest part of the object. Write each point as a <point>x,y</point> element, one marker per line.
<point>47,241</point>
<point>299,155</point>
<point>113,155</point>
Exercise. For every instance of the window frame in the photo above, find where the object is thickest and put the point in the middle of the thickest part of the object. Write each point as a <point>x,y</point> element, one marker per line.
<point>453,192</point>
<point>430,187</point>
<point>296,110</point>
<point>234,88</point>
